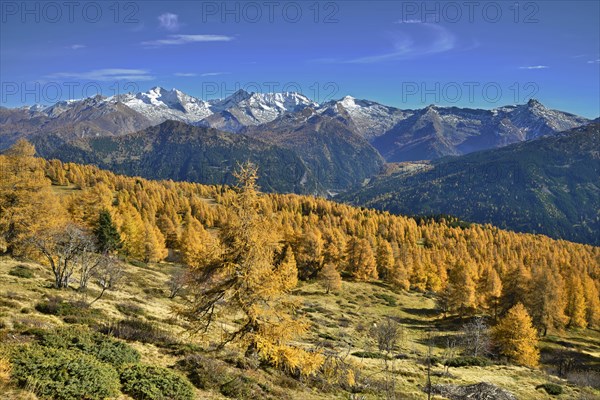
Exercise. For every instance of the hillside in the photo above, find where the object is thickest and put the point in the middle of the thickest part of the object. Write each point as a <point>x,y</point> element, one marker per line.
<point>207,291</point>
<point>174,150</point>
<point>548,186</point>
<point>339,321</point>
<point>337,156</point>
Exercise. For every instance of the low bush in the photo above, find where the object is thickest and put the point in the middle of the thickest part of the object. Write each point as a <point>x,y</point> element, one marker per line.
<point>130,309</point>
<point>21,271</point>
<point>145,382</point>
<point>63,374</point>
<point>138,330</point>
<point>467,362</point>
<point>242,387</point>
<point>204,372</point>
<point>73,312</point>
<point>551,388</point>
<point>390,300</point>
<point>104,348</point>
<point>368,354</point>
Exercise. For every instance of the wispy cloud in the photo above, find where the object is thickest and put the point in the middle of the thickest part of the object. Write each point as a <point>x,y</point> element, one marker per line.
<point>594,61</point>
<point>185,74</point>
<point>77,46</point>
<point>109,74</point>
<point>213,73</point>
<point>535,67</point>
<point>169,21</point>
<point>185,39</point>
<point>419,40</point>
<point>409,21</point>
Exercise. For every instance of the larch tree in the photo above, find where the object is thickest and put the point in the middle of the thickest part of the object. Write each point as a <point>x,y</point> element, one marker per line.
<point>330,278</point>
<point>27,205</point>
<point>154,243</point>
<point>576,305</point>
<point>385,259</point>
<point>198,247</point>
<point>460,292</point>
<point>252,279</point>
<point>592,299</point>
<point>360,260</point>
<point>489,290</point>
<point>132,231</point>
<point>516,338</point>
<point>549,302</point>
<point>309,250</point>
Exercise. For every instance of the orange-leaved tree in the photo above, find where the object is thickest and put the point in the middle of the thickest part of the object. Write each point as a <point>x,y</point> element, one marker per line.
<point>516,338</point>
<point>251,280</point>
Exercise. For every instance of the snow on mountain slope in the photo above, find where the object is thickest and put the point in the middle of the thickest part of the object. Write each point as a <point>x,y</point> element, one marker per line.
<point>370,119</point>
<point>159,105</point>
<point>250,109</point>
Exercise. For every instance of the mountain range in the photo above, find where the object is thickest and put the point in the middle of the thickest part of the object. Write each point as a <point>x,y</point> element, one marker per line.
<point>401,160</point>
<point>548,185</point>
<point>398,135</point>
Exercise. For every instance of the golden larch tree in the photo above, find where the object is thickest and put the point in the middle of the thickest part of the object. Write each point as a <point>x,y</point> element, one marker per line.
<point>360,260</point>
<point>251,279</point>
<point>516,338</point>
<point>576,305</point>
<point>385,259</point>
<point>330,278</point>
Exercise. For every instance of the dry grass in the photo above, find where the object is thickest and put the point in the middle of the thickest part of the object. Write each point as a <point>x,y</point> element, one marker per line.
<point>340,323</point>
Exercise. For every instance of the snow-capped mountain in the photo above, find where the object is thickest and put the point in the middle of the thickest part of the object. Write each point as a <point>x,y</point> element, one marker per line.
<point>369,118</point>
<point>435,132</point>
<point>159,105</point>
<point>399,135</point>
<point>243,109</point>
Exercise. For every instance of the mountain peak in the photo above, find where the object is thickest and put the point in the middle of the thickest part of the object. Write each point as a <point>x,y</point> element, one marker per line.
<point>534,103</point>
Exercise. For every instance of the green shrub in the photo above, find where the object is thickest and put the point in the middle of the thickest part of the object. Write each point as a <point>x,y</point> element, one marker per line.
<point>130,309</point>
<point>63,374</point>
<point>467,362</point>
<point>369,354</point>
<point>551,388</point>
<point>138,330</point>
<point>138,264</point>
<point>21,271</point>
<point>241,387</point>
<point>390,300</point>
<point>145,382</point>
<point>104,348</point>
<point>73,312</point>
<point>204,372</point>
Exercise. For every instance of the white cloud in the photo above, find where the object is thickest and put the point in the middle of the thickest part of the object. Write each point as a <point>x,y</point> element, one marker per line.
<point>594,61</point>
<point>213,73</point>
<point>185,39</point>
<point>185,74</point>
<point>169,21</point>
<point>415,40</point>
<point>535,67</point>
<point>77,46</point>
<point>409,21</point>
<point>109,74</point>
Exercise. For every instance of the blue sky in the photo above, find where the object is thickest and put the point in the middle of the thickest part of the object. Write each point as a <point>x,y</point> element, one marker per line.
<point>400,53</point>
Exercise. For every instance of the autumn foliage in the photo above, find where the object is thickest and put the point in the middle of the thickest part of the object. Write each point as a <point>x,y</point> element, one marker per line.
<point>248,249</point>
